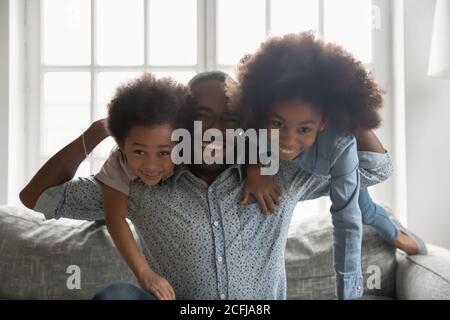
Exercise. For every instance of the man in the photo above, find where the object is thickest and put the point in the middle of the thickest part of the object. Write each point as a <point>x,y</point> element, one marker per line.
<point>193,230</point>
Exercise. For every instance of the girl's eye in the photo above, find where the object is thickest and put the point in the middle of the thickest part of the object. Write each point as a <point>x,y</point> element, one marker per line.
<point>277,124</point>
<point>305,130</point>
<point>139,152</point>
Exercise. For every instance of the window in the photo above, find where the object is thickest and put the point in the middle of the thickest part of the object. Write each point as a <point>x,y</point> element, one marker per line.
<point>81,50</point>
<point>89,47</point>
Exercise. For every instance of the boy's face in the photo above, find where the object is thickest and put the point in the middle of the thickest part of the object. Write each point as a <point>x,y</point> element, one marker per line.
<point>148,152</point>
<point>298,124</point>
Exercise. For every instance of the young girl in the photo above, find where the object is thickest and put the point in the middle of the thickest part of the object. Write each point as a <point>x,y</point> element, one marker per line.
<point>141,118</point>
<point>319,97</point>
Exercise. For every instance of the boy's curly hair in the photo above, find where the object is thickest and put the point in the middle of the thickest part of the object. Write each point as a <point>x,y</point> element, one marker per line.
<point>299,67</point>
<point>145,101</point>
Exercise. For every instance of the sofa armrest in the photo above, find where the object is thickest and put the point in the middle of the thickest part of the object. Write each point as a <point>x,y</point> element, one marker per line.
<point>424,277</point>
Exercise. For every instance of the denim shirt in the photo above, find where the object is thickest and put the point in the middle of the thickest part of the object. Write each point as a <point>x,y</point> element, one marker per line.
<point>335,155</point>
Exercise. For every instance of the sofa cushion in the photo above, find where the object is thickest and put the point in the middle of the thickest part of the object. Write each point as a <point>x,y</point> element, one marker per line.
<point>424,277</point>
<point>36,255</point>
<point>309,261</point>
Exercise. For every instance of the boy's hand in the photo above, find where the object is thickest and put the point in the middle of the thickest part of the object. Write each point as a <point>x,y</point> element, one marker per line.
<point>263,188</point>
<point>156,285</point>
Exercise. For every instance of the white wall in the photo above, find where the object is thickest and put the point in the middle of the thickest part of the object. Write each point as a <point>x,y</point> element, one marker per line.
<point>4,98</point>
<point>384,192</point>
<point>427,106</point>
<point>16,100</point>
<point>12,100</point>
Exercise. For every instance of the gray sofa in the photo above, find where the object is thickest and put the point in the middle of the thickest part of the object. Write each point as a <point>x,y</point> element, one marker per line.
<point>36,255</point>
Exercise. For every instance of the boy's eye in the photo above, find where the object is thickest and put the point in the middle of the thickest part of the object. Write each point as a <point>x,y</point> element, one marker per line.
<point>305,130</point>
<point>139,152</point>
<point>277,124</point>
<point>165,153</point>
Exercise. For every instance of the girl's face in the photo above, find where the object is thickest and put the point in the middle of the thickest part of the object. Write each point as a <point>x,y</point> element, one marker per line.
<point>148,152</point>
<point>298,123</point>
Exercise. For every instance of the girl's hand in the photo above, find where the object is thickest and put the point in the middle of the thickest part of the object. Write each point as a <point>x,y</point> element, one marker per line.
<point>263,188</point>
<point>156,285</point>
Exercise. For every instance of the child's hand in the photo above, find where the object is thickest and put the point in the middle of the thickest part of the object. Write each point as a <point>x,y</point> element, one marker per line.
<point>263,188</point>
<point>156,285</point>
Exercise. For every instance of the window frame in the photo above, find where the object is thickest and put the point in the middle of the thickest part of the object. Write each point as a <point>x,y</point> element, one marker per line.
<point>206,60</point>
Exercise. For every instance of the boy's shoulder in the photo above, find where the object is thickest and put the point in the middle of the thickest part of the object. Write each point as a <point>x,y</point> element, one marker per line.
<point>115,172</point>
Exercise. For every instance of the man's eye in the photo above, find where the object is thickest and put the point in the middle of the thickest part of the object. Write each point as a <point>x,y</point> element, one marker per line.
<point>165,153</point>
<point>305,130</point>
<point>139,152</point>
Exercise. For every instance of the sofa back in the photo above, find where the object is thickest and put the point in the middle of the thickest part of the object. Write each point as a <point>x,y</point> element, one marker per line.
<point>41,259</point>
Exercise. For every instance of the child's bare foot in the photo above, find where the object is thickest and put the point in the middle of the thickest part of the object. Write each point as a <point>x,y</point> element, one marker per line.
<point>405,243</point>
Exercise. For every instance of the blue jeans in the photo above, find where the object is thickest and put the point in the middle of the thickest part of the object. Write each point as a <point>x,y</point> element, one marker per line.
<point>123,291</point>
<point>375,216</point>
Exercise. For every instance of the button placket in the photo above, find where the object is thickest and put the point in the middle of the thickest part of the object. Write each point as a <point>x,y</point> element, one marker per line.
<point>219,239</point>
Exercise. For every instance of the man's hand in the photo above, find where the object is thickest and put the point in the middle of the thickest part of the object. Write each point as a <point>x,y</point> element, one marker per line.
<point>263,188</point>
<point>156,285</point>
<point>62,166</point>
<point>97,131</point>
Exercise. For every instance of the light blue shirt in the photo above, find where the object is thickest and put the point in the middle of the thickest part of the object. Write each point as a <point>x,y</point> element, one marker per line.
<point>335,155</point>
<point>201,239</point>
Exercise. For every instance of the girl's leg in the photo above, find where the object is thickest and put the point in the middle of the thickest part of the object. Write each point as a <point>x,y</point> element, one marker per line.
<point>375,216</point>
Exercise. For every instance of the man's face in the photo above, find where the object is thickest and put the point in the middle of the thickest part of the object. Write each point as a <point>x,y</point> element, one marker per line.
<point>211,108</point>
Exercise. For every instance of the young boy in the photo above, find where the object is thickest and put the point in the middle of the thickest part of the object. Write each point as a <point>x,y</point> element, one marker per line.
<point>141,118</point>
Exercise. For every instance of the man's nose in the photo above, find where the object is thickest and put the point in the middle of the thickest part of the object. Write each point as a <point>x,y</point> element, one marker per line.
<point>218,124</point>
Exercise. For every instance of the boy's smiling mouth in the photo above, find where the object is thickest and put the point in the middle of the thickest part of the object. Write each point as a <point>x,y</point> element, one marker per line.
<point>151,175</point>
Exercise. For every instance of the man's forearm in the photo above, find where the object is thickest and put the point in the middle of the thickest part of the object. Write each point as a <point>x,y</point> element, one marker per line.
<point>63,165</point>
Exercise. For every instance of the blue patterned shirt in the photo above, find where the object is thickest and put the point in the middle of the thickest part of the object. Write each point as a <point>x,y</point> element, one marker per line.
<point>200,238</point>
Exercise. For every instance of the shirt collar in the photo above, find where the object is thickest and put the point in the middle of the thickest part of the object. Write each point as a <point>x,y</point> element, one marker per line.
<point>183,169</point>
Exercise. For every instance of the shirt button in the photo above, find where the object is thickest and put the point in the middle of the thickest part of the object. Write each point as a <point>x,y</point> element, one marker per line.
<point>219,258</point>
<point>216,223</point>
<point>222,296</point>
<point>359,287</point>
